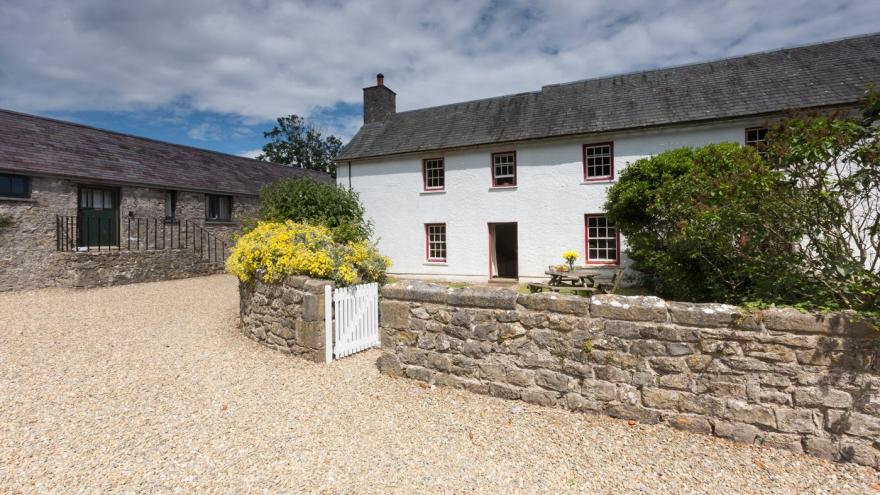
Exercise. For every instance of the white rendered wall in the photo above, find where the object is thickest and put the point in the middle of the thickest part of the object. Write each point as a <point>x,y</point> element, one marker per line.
<point>548,204</point>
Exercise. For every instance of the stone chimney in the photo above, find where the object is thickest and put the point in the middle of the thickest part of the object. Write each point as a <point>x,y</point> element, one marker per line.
<point>379,101</point>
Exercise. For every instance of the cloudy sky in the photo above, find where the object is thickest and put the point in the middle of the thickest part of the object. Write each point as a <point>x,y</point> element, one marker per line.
<point>215,73</point>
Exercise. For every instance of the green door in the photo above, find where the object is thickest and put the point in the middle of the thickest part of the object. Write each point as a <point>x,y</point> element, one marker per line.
<point>98,217</point>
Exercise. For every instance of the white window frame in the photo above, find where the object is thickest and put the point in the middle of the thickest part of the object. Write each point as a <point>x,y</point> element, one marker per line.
<point>432,165</point>
<point>507,175</point>
<point>435,242</point>
<point>602,238</point>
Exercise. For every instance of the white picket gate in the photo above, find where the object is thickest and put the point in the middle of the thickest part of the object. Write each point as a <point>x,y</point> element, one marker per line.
<point>356,323</point>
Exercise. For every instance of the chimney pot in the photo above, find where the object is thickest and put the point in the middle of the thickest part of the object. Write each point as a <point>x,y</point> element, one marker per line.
<point>380,79</point>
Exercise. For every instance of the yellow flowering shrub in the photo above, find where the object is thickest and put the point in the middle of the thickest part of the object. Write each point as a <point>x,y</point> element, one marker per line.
<point>274,250</point>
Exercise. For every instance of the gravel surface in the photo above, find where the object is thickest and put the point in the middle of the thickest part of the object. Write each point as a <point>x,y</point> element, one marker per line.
<point>151,388</point>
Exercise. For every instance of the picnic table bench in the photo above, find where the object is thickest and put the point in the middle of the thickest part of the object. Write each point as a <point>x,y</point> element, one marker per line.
<point>578,281</point>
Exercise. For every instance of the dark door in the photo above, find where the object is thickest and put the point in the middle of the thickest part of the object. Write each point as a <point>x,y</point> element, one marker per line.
<point>505,250</point>
<point>98,216</point>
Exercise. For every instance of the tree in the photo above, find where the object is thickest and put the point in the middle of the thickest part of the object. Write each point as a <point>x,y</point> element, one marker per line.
<point>832,162</point>
<point>297,143</point>
<point>799,227</point>
<point>705,224</point>
<point>316,203</point>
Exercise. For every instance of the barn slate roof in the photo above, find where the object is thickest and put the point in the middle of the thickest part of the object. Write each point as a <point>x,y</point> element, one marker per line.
<point>824,74</point>
<point>44,146</point>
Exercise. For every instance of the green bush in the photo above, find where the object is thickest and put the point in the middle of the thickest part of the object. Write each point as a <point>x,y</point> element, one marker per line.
<point>5,221</point>
<point>832,163</point>
<point>707,224</point>
<point>316,203</point>
<point>799,227</point>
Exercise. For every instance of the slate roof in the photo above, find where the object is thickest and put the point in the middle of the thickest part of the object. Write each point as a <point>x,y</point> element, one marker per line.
<point>42,146</point>
<point>825,74</point>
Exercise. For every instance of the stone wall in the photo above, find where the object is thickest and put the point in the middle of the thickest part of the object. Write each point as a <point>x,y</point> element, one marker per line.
<point>26,246</point>
<point>103,269</point>
<point>286,316</point>
<point>28,256</point>
<point>780,378</point>
<point>150,203</point>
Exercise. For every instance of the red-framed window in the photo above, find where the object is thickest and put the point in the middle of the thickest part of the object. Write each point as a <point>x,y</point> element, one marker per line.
<point>504,169</point>
<point>602,240</point>
<point>433,174</point>
<point>599,161</point>
<point>435,241</point>
<point>757,137</point>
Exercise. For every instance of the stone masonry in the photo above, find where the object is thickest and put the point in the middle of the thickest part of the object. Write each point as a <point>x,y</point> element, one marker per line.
<point>286,316</point>
<point>780,378</point>
<point>28,256</point>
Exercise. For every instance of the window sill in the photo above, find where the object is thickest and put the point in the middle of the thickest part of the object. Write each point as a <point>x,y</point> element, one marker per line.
<point>597,181</point>
<point>435,263</point>
<point>503,188</point>
<point>433,191</point>
<point>220,222</point>
<point>16,199</point>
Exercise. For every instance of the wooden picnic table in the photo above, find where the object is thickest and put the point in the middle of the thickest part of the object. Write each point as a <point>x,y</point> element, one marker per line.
<point>576,278</point>
<point>577,281</point>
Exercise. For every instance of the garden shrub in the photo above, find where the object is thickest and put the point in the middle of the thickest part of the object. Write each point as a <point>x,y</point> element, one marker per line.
<point>703,225</point>
<point>832,163</point>
<point>273,250</point>
<point>799,227</point>
<point>316,203</point>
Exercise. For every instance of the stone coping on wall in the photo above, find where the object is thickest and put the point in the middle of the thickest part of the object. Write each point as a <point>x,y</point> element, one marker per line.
<point>635,308</point>
<point>779,377</point>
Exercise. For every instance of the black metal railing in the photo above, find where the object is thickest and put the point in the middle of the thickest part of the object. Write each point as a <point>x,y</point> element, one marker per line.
<point>137,234</point>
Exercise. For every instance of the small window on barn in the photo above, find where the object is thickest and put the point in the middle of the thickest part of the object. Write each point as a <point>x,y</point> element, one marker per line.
<point>757,137</point>
<point>15,186</point>
<point>218,208</point>
<point>434,174</point>
<point>603,240</point>
<point>96,199</point>
<point>170,205</point>
<point>435,241</point>
<point>504,169</point>
<point>598,161</point>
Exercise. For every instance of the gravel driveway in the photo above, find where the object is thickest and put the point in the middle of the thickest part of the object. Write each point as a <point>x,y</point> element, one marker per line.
<point>151,388</point>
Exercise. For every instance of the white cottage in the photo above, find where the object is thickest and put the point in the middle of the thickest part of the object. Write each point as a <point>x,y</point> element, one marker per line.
<point>500,187</point>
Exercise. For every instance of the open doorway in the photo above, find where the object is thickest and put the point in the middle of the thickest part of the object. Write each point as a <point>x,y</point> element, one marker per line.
<point>503,250</point>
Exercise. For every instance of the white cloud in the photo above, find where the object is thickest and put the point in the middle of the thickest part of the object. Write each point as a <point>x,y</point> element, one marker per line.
<point>251,153</point>
<point>263,58</point>
<point>205,132</point>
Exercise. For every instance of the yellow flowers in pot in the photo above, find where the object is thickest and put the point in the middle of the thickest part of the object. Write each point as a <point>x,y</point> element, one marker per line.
<point>570,257</point>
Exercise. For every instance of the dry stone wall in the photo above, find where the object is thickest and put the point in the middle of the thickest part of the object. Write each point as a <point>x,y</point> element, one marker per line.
<point>287,316</point>
<point>780,378</point>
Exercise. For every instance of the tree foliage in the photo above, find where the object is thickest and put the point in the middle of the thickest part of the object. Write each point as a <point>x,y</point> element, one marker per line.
<point>297,143</point>
<point>832,163</point>
<point>316,203</point>
<point>696,221</point>
<point>723,223</point>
